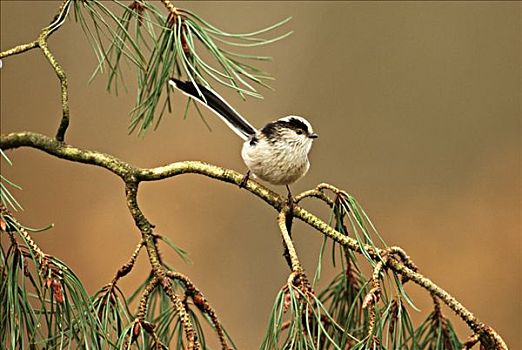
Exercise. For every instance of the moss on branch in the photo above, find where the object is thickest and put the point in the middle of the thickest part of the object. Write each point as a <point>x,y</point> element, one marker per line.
<point>41,42</point>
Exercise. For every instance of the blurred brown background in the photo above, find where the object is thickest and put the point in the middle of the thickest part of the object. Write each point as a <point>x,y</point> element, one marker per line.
<point>418,110</point>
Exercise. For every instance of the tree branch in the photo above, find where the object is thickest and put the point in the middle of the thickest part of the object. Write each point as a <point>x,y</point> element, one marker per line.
<point>41,42</point>
<point>64,123</point>
<point>133,175</point>
<point>290,252</point>
<point>201,302</point>
<point>19,49</point>
<point>131,191</point>
<point>170,6</point>
<point>125,269</point>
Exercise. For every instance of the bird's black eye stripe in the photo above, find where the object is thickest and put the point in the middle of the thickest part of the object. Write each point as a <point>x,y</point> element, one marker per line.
<point>273,130</point>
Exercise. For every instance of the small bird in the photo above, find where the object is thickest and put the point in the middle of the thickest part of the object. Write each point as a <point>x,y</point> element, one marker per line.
<point>277,153</point>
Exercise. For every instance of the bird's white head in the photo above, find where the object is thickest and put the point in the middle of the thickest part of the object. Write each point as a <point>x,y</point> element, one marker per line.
<point>297,130</point>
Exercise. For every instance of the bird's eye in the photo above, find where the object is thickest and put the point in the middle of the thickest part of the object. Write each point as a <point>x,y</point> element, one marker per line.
<point>299,132</point>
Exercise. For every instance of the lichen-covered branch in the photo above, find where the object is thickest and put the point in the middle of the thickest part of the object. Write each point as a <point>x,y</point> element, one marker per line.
<point>64,123</point>
<point>170,7</point>
<point>292,257</point>
<point>201,302</point>
<point>19,49</point>
<point>144,300</point>
<point>132,175</point>
<point>314,193</point>
<point>125,269</point>
<point>450,301</point>
<point>131,191</point>
<point>41,42</point>
<point>374,295</point>
<point>143,304</point>
<point>64,151</point>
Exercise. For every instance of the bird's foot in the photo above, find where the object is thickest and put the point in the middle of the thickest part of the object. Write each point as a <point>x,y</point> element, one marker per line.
<point>290,200</point>
<point>290,214</point>
<point>243,182</point>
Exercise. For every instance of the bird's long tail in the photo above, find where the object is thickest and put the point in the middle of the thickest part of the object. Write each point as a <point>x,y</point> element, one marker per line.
<point>217,104</point>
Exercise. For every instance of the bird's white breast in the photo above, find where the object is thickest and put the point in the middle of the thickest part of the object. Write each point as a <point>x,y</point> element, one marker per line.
<point>279,163</point>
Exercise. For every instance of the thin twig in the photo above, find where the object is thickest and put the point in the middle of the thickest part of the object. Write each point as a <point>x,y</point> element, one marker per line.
<point>64,123</point>
<point>125,269</point>
<point>41,42</point>
<point>201,302</point>
<point>19,49</point>
<point>174,14</point>
<point>144,301</point>
<point>314,193</point>
<point>170,6</point>
<point>158,269</point>
<point>31,244</point>
<point>293,259</point>
<point>404,258</point>
<point>470,342</point>
<point>332,188</point>
<point>140,321</point>
<point>374,295</point>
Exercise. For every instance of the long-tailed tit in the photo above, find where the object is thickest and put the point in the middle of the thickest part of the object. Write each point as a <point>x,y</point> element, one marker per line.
<point>277,153</point>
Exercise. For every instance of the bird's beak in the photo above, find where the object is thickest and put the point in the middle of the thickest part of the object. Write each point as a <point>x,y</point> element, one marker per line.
<point>313,135</point>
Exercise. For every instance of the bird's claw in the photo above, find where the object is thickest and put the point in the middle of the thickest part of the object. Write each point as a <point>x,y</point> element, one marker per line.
<point>243,182</point>
<point>290,200</point>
